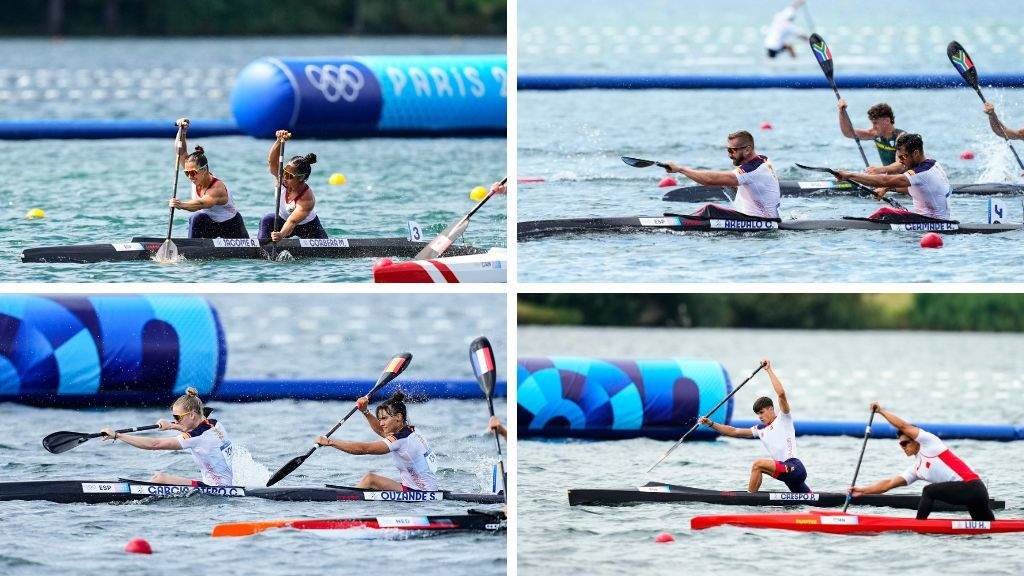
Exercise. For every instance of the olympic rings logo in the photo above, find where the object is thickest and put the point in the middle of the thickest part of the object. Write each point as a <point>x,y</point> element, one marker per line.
<point>336,82</point>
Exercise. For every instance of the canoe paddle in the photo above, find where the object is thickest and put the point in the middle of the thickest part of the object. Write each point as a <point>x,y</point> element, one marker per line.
<point>395,367</point>
<point>168,251</point>
<point>442,241</point>
<point>708,415</point>
<point>60,442</point>
<point>965,66</point>
<point>481,356</point>
<point>277,204</point>
<point>641,163</point>
<point>824,57</point>
<point>891,202</point>
<point>867,434</point>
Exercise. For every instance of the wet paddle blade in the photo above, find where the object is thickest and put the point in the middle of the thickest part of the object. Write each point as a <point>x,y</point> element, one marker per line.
<point>963,63</point>
<point>289,467</point>
<point>638,162</point>
<point>168,252</point>
<point>443,240</point>
<point>822,54</point>
<point>481,355</point>
<point>60,442</point>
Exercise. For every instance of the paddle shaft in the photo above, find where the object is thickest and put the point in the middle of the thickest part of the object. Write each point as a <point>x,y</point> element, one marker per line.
<point>177,168</point>
<point>280,181</point>
<point>856,471</point>
<point>481,202</point>
<point>708,415</point>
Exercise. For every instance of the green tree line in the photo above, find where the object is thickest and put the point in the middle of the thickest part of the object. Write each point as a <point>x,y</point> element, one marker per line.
<point>252,17</point>
<point>953,312</point>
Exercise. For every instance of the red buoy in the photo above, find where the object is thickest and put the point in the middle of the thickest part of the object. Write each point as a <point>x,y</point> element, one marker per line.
<point>667,182</point>
<point>138,546</point>
<point>967,155</point>
<point>931,240</point>
<point>766,125</point>
<point>664,538</point>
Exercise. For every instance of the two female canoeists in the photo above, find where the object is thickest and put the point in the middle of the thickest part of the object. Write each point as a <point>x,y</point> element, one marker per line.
<point>205,439</point>
<point>408,448</point>
<point>297,208</point>
<point>213,211</point>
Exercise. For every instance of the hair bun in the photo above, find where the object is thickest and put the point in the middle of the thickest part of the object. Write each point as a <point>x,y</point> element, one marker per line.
<point>310,158</point>
<point>192,392</point>
<point>199,150</point>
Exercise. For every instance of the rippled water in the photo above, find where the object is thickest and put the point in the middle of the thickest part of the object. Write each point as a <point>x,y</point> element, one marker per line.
<point>947,377</point>
<point>111,190</point>
<point>346,335</point>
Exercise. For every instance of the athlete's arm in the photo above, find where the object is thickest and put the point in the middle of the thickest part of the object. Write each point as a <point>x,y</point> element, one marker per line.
<point>899,423</point>
<point>998,127</point>
<point>705,177</point>
<point>726,430</point>
<point>879,487</point>
<point>894,168</point>
<point>142,441</point>
<point>777,385</point>
<point>875,180</point>
<point>181,145</point>
<point>361,403</point>
<point>358,448</point>
<point>846,126</point>
<point>302,209</point>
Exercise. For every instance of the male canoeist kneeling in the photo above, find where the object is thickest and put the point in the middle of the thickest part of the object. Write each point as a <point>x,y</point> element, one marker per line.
<point>925,180</point>
<point>951,479</point>
<point>298,204</point>
<point>214,213</point>
<point>778,436</point>
<point>757,186</point>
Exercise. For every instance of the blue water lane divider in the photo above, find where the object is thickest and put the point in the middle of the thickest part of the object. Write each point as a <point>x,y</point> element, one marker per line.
<point>757,81</point>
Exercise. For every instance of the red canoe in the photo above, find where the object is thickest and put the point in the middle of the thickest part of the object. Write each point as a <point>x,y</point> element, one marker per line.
<point>473,521</point>
<point>839,523</point>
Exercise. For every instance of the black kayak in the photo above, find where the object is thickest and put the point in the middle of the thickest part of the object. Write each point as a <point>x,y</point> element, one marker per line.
<point>795,188</point>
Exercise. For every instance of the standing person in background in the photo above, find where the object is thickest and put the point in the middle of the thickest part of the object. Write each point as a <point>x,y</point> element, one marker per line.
<point>782,32</point>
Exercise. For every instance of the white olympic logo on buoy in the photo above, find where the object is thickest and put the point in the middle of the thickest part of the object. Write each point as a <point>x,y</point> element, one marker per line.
<point>336,82</point>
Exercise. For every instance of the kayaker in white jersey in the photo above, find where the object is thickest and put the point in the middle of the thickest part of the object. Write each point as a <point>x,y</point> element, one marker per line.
<point>757,186</point>
<point>782,32</point>
<point>925,180</point>
<point>298,203</point>
<point>214,213</point>
<point>408,448</point>
<point>951,479</point>
<point>205,439</point>
<point>778,436</point>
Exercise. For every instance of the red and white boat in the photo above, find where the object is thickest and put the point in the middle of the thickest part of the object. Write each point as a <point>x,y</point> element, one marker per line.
<point>490,266</point>
<point>838,523</point>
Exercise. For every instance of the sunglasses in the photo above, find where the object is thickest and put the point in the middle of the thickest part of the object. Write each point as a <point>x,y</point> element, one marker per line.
<point>288,175</point>
<point>904,443</point>
<point>191,173</point>
<point>179,417</point>
<point>731,150</point>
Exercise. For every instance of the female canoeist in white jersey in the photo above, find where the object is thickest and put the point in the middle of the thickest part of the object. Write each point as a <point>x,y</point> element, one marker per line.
<point>408,448</point>
<point>298,204</point>
<point>951,479</point>
<point>214,213</point>
<point>925,180</point>
<point>778,436</point>
<point>204,438</point>
<point>757,192</point>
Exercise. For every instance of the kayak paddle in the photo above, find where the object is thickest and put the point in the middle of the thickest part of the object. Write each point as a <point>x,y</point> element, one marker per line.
<point>641,163</point>
<point>867,434</point>
<point>168,251</point>
<point>708,415</point>
<point>59,442</point>
<point>442,241</point>
<point>965,66</point>
<point>891,202</point>
<point>481,356</point>
<point>824,57</point>
<point>395,367</point>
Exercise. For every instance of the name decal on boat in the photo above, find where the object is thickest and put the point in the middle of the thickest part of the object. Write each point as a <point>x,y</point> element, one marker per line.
<point>105,488</point>
<point>128,247</point>
<point>743,225</point>
<point>655,222</point>
<point>971,525</point>
<point>236,243</point>
<point>925,226</point>
<point>818,185</point>
<point>653,489</point>
<point>845,520</point>
<point>787,496</point>
<point>402,521</point>
<point>324,243</point>
<point>413,496</point>
<point>171,490</point>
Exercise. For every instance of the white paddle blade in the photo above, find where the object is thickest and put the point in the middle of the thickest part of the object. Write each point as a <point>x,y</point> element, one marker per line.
<point>167,254</point>
<point>285,256</point>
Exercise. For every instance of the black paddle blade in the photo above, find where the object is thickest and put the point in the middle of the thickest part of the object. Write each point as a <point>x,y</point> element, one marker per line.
<point>397,365</point>
<point>60,442</point>
<point>638,162</point>
<point>821,53</point>
<point>289,467</point>
<point>816,169</point>
<point>481,355</point>
<point>963,64</point>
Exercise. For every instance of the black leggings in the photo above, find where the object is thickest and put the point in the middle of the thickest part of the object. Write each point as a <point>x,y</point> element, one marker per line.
<point>310,230</point>
<point>973,495</point>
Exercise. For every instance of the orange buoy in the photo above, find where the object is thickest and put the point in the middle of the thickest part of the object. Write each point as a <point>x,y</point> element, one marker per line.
<point>967,155</point>
<point>664,538</point>
<point>931,240</point>
<point>667,182</point>
<point>766,125</point>
<point>138,546</point>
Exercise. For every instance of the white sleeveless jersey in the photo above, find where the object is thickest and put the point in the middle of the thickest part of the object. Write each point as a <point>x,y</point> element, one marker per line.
<point>779,437</point>
<point>210,447</point>
<point>930,189</point>
<point>937,463</point>
<point>758,193</point>
<point>414,459</point>
<point>218,212</point>
<point>288,207</point>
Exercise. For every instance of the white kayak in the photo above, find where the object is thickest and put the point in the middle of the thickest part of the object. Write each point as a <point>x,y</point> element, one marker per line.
<point>487,267</point>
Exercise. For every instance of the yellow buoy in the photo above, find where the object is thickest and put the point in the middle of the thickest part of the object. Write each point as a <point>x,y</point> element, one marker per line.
<point>478,193</point>
<point>35,214</point>
<point>337,179</point>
